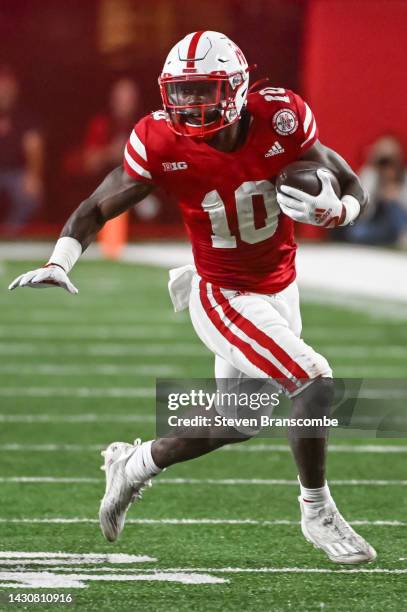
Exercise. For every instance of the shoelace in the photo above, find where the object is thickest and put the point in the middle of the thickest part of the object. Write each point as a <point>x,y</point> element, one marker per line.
<point>339,524</point>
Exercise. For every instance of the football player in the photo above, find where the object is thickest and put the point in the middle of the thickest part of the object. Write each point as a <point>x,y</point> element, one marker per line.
<point>217,147</point>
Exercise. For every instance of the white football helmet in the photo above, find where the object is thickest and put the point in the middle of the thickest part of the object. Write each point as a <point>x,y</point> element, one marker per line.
<point>204,84</point>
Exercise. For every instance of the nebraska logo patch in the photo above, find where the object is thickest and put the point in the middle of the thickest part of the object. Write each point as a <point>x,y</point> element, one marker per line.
<point>285,122</point>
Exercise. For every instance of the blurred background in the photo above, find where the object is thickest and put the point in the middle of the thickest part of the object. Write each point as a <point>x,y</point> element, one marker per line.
<point>75,76</point>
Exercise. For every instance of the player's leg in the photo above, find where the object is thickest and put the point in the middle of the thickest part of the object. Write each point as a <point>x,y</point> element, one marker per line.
<point>169,450</point>
<point>129,468</point>
<point>310,452</point>
<point>231,325</point>
<point>315,400</point>
<point>263,340</point>
<point>250,333</point>
<point>321,522</point>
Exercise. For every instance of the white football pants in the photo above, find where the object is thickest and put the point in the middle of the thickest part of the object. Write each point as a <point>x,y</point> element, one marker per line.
<point>255,335</point>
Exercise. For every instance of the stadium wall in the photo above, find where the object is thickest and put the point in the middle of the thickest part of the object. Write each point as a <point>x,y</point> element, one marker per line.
<point>353,65</point>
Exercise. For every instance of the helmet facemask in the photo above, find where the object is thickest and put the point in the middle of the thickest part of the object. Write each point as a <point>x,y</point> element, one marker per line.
<point>200,105</point>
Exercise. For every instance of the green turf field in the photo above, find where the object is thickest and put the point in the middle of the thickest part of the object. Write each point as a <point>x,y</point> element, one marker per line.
<point>78,372</point>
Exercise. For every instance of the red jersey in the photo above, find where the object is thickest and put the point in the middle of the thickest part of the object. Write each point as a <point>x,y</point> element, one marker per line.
<point>240,237</point>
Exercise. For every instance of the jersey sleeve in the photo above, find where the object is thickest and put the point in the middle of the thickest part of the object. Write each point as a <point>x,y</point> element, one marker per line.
<point>308,129</point>
<point>135,160</point>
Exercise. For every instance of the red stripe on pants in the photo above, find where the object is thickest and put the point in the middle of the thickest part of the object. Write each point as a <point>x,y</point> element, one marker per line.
<point>248,351</point>
<point>258,335</point>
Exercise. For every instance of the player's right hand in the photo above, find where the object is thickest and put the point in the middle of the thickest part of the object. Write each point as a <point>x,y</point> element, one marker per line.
<point>49,276</point>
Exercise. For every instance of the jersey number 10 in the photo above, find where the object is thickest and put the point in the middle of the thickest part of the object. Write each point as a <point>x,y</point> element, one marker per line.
<point>222,237</point>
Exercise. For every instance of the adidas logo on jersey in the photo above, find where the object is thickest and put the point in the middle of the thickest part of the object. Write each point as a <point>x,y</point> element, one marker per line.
<point>275,149</point>
<point>171,166</point>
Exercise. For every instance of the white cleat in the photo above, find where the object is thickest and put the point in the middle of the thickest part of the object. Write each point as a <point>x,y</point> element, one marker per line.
<point>120,492</point>
<point>327,530</point>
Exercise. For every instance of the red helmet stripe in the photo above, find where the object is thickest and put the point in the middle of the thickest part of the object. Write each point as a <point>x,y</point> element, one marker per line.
<point>192,49</point>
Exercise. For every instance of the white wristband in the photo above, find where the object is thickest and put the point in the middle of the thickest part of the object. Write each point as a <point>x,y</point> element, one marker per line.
<point>352,207</point>
<point>66,253</point>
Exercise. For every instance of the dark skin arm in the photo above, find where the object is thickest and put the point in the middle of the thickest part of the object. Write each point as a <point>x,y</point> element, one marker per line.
<point>348,180</point>
<point>117,193</point>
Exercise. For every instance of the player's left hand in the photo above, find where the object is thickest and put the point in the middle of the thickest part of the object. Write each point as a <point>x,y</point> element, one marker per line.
<point>325,209</point>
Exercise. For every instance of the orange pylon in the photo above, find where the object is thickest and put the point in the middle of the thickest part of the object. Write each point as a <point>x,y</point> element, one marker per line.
<point>113,237</point>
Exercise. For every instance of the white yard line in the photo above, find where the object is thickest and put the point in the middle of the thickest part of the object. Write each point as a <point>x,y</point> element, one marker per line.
<point>75,448</point>
<point>214,570</point>
<point>356,351</point>
<point>61,557</point>
<point>345,334</point>
<point>158,370</point>
<point>48,480</point>
<point>275,482</point>
<point>352,351</point>
<point>50,317</point>
<point>99,369</point>
<point>49,580</point>
<point>188,521</point>
<point>223,570</point>
<point>134,349</point>
<point>332,448</point>
<point>281,570</point>
<point>77,418</point>
<point>260,570</point>
<point>291,570</point>
<point>203,481</point>
<point>245,448</point>
<point>88,333</point>
<point>110,392</point>
<point>147,392</point>
<point>369,371</point>
<point>97,331</point>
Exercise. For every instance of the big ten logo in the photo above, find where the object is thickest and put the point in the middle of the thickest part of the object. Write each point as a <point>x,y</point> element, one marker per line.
<point>171,166</point>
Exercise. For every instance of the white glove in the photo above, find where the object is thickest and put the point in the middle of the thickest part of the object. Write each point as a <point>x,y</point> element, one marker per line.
<point>325,209</point>
<point>49,276</point>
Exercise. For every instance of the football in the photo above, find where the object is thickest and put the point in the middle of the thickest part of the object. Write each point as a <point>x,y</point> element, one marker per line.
<point>303,175</point>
